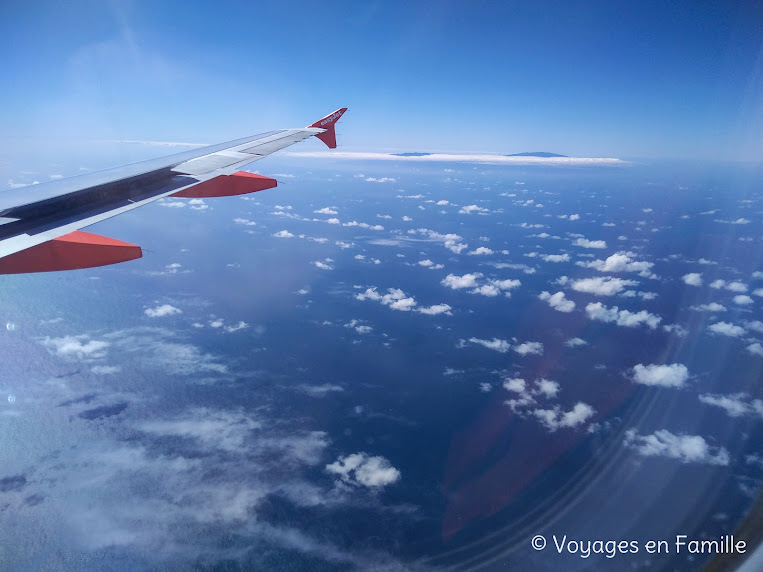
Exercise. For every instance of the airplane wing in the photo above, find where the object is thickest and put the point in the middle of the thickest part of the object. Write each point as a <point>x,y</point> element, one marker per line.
<point>39,224</point>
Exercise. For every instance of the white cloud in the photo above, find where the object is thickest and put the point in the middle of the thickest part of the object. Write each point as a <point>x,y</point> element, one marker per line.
<point>449,241</point>
<point>575,342</point>
<point>380,180</point>
<point>726,329</point>
<point>692,279</point>
<point>462,158</point>
<point>487,290</point>
<point>472,209</point>
<point>621,262</point>
<point>429,264</point>
<point>482,250</point>
<point>436,309</point>
<point>362,469</point>
<point>742,299</point>
<point>320,390</point>
<point>507,284</point>
<point>526,348</point>
<point>548,387</point>
<point>736,286</point>
<point>495,344</point>
<point>558,301</point>
<point>556,257</point>
<point>214,429</point>
<point>555,419</point>
<point>323,265</point>
<point>240,326</point>
<point>602,285</point>
<point>161,311</point>
<point>283,234</point>
<point>673,375</point>
<point>598,311</point>
<point>394,298</point>
<point>363,225</point>
<point>574,217</point>
<point>755,349</point>
<point>711,307</point>
<point>735,405</point>
<point>585,243</point>
<point>80,347</point>
<point>327,211</point>
<point>686,448</point>
<point>457,282</point>
<point>515,384</point>
<point>244,221</point>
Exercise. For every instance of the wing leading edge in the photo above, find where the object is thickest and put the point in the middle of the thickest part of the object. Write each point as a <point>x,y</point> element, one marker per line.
<point>39,225</point>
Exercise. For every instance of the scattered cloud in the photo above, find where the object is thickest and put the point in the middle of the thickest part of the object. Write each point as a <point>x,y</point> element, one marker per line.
<point>602,285</point>
<point>436,309</point>
<point>526,348</point>
<point>585,243</point>
<point>726,329</point>
<point>575,342</point>
<point>482,250</point>
<point>555,419</point>
<point>360,469</point>
<point>673,375</point>
<point>495,344</point>
<point>558,301</point>
<point>621,262</point>
<point>597,311</point>
<point>685,448</point>
<point>429,264</point>
<point>556,257</point>
<point>472,209</point>
<point>324,264</point>
<point>283,234</point>
<point>735,405</point>
<point>458,282</point>
<point>320,390</point>
<point>711,307</point>
<point>76,347</point>
<point>692,279</point>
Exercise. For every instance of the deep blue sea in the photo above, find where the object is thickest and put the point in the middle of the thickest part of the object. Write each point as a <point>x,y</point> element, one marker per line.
<point>394,365</point>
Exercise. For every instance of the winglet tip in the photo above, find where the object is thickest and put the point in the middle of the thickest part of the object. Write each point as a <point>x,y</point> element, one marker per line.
<point>328,123</point>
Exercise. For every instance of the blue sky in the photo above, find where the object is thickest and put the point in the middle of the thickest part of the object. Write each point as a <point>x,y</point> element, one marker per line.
<point>614,79</point>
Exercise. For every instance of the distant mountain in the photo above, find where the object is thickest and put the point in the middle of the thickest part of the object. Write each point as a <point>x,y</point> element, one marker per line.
<point>535,154</point>
<point>411,154</point>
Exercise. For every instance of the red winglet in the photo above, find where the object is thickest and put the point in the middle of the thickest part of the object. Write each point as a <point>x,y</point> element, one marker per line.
<point>72,251</point>
<point>328,123</point>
